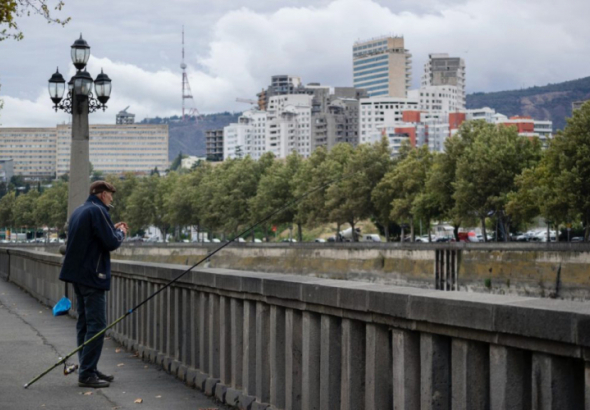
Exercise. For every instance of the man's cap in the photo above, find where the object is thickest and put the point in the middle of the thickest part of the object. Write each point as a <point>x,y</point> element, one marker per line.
<point>100,186</point>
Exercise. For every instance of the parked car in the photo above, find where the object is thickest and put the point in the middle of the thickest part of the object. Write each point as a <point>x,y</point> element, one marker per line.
<point>135,239</point>
<point>320,240</point>
<point>577,239</point>
<point>256,240</point>
<point>370,237</point>
<point>215,240</point>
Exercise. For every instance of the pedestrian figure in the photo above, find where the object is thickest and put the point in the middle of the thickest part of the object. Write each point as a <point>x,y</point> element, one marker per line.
<point>87,265</point>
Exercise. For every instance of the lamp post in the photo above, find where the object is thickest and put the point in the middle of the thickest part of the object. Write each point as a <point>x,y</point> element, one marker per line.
<point>79,102</point>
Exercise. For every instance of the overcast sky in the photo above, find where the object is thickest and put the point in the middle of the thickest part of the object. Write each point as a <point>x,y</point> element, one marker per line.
<point>233,47</point>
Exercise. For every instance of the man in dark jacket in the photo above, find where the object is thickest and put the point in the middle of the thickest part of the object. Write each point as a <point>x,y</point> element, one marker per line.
<point>87,265</point>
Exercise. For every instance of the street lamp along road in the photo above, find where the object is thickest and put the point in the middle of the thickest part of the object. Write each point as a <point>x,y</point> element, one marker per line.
<point>79,102</point>
<point>80,84</point>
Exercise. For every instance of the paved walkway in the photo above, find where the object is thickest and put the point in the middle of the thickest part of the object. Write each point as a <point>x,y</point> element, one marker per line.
<point>32,339</point>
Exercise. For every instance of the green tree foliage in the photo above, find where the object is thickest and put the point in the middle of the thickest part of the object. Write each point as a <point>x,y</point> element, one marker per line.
<point>406,181</point>
<point>24,209</point>
<point>51,208</point>
<point>275,189</point>
<point>12,10</point>
<point>487,170</point>
<point>125,186</point>
<point>349,199</point>
<point>7,209</point>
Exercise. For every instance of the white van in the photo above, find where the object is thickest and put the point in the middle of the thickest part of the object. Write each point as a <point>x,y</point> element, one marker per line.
<point>370,237</point>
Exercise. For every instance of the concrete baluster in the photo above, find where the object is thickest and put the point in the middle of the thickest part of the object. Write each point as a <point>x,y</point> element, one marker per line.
<point>249,364</point>
<point>310,390</point>
<point>405,351</point>
<point>330,362</point>
<point>214,335</point>
<point>558,382</point>
<point>378,371</point>
<point>510,378</point>
<point>277,356</point>
<point>353,365</point>
<point>470,375</point>
<point>262,352</point>
<point>225,334</point>
<point>203,332</point>
<point>237,344</point>
<point>293,357</point>
<point>435,372</point>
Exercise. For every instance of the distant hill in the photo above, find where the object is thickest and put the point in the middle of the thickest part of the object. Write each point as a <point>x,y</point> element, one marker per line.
<point>550,102</point>
<point>188,136</point>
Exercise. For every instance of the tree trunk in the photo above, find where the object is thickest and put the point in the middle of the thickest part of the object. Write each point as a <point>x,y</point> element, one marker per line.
<point>354,238</point>
<point>412,232</point>
<point>456,232</point>
<point>299,232</point>
<point>483,229</point>
<point>386,229</point>
<point>337,232</point>
<point>402,234</point>
<point>266,233</point>
<point>548,233</point>
<point>429,233</point>
<point>586,231</point>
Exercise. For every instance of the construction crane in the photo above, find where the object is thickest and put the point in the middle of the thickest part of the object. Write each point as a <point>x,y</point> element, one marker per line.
<point>186,89</point>
<point>247,101</point>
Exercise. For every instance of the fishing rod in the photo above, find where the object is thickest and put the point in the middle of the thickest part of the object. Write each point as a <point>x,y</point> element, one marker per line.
<point>70,368</point>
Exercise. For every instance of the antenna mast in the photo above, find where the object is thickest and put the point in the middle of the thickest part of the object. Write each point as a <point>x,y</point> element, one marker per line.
<point>186,88</point>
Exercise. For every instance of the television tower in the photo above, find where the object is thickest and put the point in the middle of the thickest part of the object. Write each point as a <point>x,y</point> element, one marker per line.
<point>186,88</point>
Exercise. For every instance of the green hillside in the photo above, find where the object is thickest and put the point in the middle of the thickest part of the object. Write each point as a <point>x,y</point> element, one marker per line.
<point>550,102</point>
<point>188,136</point>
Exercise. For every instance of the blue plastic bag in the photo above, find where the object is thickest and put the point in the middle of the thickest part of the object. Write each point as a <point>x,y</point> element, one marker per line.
<point>62,307</point>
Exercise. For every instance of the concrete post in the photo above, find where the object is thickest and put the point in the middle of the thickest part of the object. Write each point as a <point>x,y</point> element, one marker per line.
<point>214,335</point>
<point>225,340</point>
<point>405,351</point>
<point>510,378</point>
<point>470,375</point>
<point>203,332</point>
<point>587,385</point>
<point>310,391</point>
<point>237,345</point>
<point>435,372</point>
<point>170,325</point>
<point>378,372</point>
<point>353,365</point>
<point>249,365</point>
<point>79,178</point>
<point>194,325</point>
<point>262,352</point>
<point>277,356</point>
<point>330,362</point>
<point>177,312</point>
<point>558,383</point>
<point>293,349</point>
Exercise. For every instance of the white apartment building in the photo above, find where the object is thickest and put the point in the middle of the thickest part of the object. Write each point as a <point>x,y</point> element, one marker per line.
<point>382,66</point>
<point>289,125</point>
<point>440,69</point>
<point>32,150</point>
<point>116,149</point>
<point>377,113</point>
<point>437,98</point>
<point>285,127</point>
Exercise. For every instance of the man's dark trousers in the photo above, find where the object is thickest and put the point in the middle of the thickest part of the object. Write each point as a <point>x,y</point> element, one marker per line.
<point>91,320</point>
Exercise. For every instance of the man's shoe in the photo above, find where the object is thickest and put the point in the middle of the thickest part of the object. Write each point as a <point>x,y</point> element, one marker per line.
<point>93,381</point>
<point>105,377</point>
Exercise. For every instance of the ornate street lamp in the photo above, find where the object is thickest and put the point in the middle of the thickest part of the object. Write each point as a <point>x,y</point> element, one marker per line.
<point>79,102</point>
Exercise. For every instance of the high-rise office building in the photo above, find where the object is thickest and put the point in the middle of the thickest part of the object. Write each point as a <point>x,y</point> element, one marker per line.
<point>382,66</point>
<point>440,69</point>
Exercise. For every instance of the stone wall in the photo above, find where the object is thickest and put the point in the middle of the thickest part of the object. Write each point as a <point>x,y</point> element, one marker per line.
<point>514,268</point>
<point>282,341</point>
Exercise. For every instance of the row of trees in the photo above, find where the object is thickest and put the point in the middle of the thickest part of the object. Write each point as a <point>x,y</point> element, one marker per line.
<point>488,175</point>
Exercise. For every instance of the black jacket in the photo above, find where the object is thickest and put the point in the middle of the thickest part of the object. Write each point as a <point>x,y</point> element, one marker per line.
<point>91,238</point>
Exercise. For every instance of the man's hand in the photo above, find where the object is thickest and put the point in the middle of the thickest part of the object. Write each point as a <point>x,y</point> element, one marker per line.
<point>122,226</point>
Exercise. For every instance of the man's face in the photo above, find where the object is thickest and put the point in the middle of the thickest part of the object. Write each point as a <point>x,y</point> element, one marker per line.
<point>106,197</point>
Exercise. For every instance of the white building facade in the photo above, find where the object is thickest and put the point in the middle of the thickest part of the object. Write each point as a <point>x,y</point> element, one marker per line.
<point>377,113</point>
<point>443,70</point>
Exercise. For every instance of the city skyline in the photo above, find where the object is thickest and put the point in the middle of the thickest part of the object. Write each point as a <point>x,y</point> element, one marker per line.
<point>232,51</point>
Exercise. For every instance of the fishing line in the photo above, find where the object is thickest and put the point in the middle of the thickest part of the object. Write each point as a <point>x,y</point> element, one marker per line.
<point>209,255</point>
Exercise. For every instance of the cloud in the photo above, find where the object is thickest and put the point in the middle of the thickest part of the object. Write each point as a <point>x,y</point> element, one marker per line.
<point>505,44</point>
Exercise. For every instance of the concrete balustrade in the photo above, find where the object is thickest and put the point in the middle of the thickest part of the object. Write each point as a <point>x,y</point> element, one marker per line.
<point>266,341</point>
